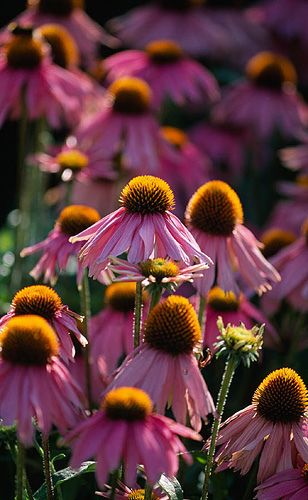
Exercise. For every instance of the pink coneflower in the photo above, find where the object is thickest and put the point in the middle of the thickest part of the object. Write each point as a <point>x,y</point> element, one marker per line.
<point>184,21</point>
<point>225,145</point>
<point>71,161</point>
<point>273,426</point>
<point>124,429</point>
<point>56,248</point>
<point>43,301</point>
<point>291,262</point>
<point>170,74</point>
<point>165,272</point>
<point>34,383</point>
<point>182,165</point>
<point>267,100</point>
<point>232,309</point>
<point>290,213</point>
<point>124,126</point>
<point>111,330</point>
<point>291,484</point>
<point>214,216</point>
<point>165,365</point>
<point>87,34</point>
<point>143,226</point>
<point>50,91</point>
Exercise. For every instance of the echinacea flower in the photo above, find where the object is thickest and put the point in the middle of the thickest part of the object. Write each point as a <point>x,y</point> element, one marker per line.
<point>184,21</point>
<point>50,91</point>
<point>56,248</point>
<point>291,484</point>
<point>233,309</point>
<point>275,239</point>
<point>64,51</point>
<point>34,383</point>
<point>182,165</point>
<point>87,34</point>
<point>267,101</point>
<point>124,430</point>
<point>272,427</point>
<point>163,272</point>
<point>71,161</point>
<point>124,126</point>
<point>165,365</point>
<point>143,226</point>
<point>170,74</point>
<point>291,262</point>
<point>214,216</point>
<point>111,330</point>
<point>43,301</point>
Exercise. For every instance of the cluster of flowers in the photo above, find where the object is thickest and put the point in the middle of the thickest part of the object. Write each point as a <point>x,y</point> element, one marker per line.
<point>172,274</point>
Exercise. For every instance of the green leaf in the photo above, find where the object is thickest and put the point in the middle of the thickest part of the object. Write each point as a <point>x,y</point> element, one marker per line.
<point>64,475</point>
<point>171,486</point>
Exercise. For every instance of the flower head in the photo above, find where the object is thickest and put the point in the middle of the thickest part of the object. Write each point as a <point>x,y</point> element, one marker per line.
<point>56,248</point>
<point>130,95</point>
<point>270,78</point>
<point>49,90</point>
<point>135,435</point>
<point>168,71</point>
<point>274,240</point>
<point>171,335</point>
<point>63,47</point>
<point>214,215</point>
<point>43,301</point>
<point>124,128</point>
<point>270,70</point>
<point>143,227</point>
<point>273,426</point>
<point>34,382</point>
<point>239,342</point>
<point>155,273</point>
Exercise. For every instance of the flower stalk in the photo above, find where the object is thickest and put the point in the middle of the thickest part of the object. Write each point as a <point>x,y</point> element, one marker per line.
<point>47,468</point>
<point>230,368</point>
<point>137,314</point>
<point>85,306</point>
<point>148,492</point>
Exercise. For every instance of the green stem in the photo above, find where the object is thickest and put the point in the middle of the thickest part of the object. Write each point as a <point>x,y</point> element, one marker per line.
<point>155,296</point>
<point>20,458</point>
<point>137,314</point>
<point>85,305</point>
<point>47,468</point>
<point>230,367</point>
<point>201,311</point>
<point>148,492</point>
